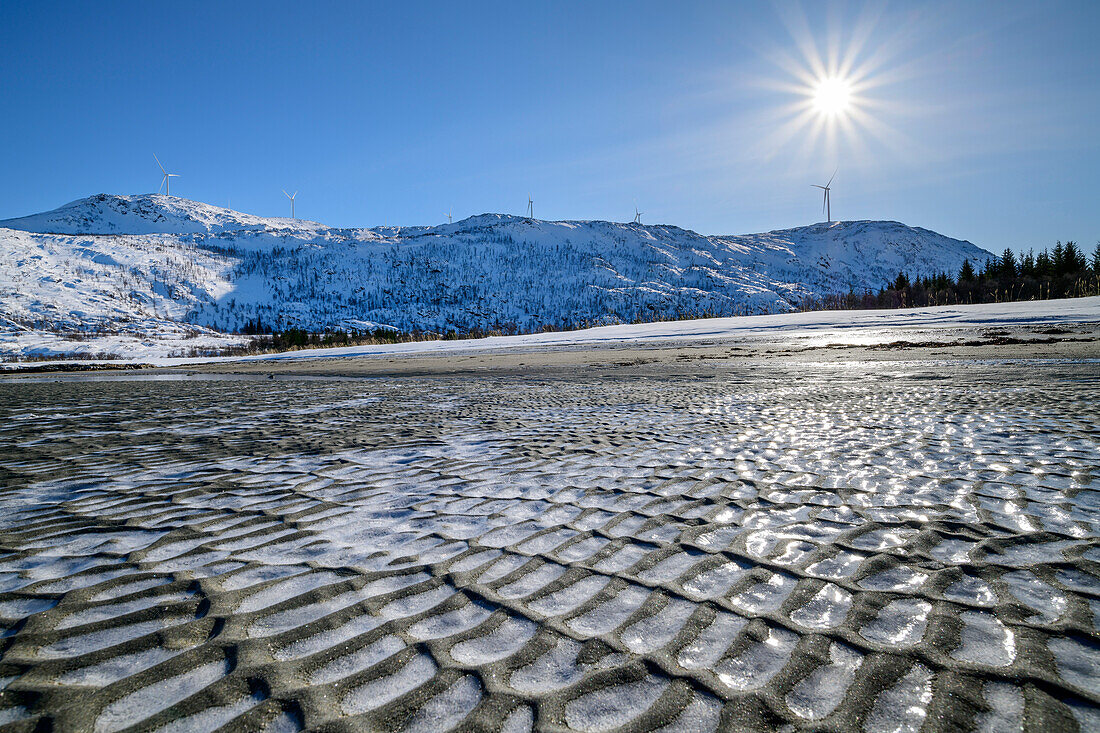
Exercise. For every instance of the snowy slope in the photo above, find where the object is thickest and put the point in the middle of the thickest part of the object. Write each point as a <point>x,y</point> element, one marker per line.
<point>147,263</point>
<point>809,328</point>
<point>854,255</point>
<point>146,214</point>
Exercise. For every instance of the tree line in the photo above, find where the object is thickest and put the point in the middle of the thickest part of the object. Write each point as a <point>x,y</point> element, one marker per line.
<point>1063,271</point>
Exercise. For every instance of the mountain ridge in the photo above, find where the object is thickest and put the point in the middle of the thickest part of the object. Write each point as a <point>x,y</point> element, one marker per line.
<point>82,211</point>
<point>151,263</point>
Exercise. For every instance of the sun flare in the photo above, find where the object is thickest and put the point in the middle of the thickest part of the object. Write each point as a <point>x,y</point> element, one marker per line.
<point>832,96</point>
<point>835,80</point>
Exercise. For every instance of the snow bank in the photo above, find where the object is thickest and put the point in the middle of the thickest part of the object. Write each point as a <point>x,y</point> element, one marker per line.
<point>810,329</point>
<point>869,326</point>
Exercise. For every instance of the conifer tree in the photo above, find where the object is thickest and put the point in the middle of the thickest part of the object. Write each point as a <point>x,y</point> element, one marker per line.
<point>1027,264</point>
<point>1072,260</point>
<point>1043,264</point>
<point>966,274</point>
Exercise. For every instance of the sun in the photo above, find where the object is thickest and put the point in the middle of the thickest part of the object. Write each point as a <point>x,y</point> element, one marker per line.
<point>833,85</point>
<point>832,97</point>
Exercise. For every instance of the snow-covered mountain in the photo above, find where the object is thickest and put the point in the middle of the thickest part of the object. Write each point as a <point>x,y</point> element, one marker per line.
<point>146,214</point>
<point>148,263</point>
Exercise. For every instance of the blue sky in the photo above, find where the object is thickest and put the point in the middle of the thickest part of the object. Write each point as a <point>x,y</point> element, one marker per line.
<point>978,119</point>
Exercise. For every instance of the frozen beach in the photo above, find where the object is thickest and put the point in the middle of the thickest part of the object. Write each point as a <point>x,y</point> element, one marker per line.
<point>694,544</point>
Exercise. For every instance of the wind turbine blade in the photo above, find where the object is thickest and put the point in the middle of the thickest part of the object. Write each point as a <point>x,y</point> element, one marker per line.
<point>295,194</point>
<point>162,182</point>
<point>832,177</point>
<point>158,163</point>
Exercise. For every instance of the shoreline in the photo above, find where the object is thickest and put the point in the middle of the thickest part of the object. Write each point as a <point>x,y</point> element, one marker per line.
<point>1064,342</point>
<point>933,325</point>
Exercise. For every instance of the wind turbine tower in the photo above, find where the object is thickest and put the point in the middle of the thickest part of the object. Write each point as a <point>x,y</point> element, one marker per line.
<point>166,180</point>
<point>637,216</point>
<point>530,208</point>
<point>826,204</point>
<point>449,219</point>
<point>291,202</point>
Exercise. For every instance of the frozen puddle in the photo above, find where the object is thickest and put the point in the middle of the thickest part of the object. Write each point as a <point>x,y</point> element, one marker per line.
<point>903,707</point>
<point>1045,600</point>
<point>985,640</point>
<point>1078,662</point>
<point>212,718</point>
<point>821,691</point>
<point>826,610</point>
<point>93,641</point>
<point>611,707</point>
<point>329,638</point>
<point>711,644</point>
<point>447,709</point>
<point>767,596</point>
<point>357,661</point>
<point>610,614</point>
<point>294,618</point>
<point>753,667</point>
<point>653,632</point>
<point>449,623</point>
<point>157,696</point>
<point>715,582</point>
<point>555,669</point>
<point>901,623</point>
<point>703,714</point>
<point>1006,709</point>
<point>971,590</point>
<point>650,547</point>
<point>382,690</point>
<point>503,641</point>
<point>568,598</point>
<point>116,668</point>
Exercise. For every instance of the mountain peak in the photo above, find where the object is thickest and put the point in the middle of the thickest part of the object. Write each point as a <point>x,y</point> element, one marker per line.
<point>148,213</point>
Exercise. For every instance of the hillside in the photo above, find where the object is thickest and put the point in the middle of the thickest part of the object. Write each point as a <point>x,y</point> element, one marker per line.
<point>147,264</point>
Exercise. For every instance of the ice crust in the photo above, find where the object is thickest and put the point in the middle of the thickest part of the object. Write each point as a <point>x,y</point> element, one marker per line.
<point>824,548</point>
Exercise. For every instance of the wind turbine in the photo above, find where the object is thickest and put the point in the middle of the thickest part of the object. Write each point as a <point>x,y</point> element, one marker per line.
<point>291,202</point>
<point>637,216</point>
<point>165,183</point>
<point>826,205</point>
<point>449,220</point>
<point>530,207</point>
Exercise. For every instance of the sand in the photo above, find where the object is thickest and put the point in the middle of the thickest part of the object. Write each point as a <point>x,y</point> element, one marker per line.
<point>750,536</point>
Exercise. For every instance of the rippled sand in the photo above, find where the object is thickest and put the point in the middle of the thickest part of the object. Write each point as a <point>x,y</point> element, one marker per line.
<point>697,546</point>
